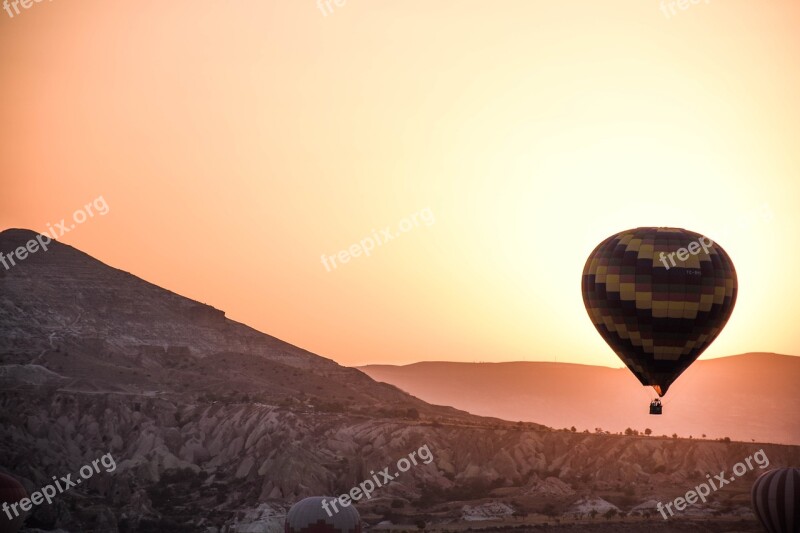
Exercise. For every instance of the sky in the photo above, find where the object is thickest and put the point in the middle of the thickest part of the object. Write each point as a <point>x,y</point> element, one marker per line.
<point>240,146</point>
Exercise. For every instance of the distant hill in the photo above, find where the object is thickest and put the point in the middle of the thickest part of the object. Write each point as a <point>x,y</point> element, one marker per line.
<point>744,397</point>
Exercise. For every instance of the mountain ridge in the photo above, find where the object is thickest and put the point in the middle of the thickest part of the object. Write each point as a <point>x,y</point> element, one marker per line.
<point>745,396</point>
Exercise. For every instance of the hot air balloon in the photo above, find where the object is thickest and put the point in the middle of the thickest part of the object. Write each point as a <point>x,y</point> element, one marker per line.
<point>659,297</point>
<point>309,516</point>
<point>776,500</point>
<point>11,491</point>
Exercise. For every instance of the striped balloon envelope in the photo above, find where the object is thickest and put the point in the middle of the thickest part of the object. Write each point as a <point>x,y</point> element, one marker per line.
<point>659,297</point>
<point>776,500</point>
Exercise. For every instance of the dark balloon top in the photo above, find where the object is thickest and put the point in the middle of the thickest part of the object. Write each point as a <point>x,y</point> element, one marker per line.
<point>310,516</point>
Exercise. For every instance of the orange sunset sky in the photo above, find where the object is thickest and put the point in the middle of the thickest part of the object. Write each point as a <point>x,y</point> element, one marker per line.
<point>238,142</point>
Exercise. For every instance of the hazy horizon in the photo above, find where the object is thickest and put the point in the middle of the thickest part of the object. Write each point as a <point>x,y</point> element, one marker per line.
<point>617,367</point>
<point>743,397</point>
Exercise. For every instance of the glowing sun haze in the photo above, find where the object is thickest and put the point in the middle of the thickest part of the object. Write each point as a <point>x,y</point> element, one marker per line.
<point>236,143</point>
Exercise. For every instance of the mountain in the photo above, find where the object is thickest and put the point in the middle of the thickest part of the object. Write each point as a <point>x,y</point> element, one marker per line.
<point>99,329</point>
<point>213,426</point>
<point>744,397</point>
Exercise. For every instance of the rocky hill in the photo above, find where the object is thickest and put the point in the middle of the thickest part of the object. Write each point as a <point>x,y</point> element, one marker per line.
<point>213,426</point>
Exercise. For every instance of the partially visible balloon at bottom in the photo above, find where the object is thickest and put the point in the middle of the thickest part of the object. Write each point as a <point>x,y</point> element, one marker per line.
<point>11,491</point>
<point>776,500</point>
<point>322,515</point>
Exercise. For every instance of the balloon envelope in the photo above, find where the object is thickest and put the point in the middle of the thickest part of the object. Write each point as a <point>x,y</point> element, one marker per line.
<point>659,297</point>
<point>776,500</point>
<point>309,516</point>
<point>11,491</point>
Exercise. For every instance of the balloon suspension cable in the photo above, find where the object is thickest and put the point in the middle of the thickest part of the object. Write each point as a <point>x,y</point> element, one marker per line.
<point>675,391</point>
<point>648,392</point>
